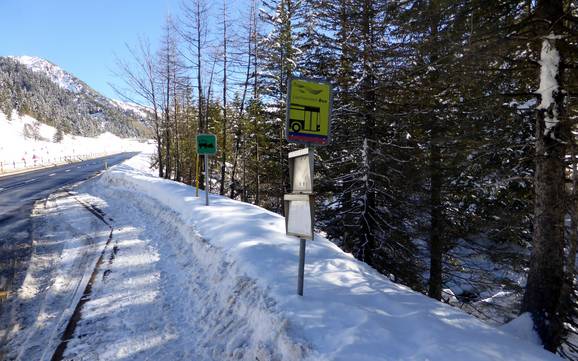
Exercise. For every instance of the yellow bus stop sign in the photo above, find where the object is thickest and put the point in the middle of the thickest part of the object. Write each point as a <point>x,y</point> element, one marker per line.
<point>308,111</point>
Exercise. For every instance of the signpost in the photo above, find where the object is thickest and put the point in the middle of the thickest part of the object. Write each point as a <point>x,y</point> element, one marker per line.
<point>299,217</point>
<point>206,145</point>
<point>309,111</point>
<point>308,122</point>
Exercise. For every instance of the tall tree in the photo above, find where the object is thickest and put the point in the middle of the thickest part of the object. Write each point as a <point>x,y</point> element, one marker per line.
<point>194,32</point>
<point>142,82</point>
<point>168,68</point>
<point>279,65</point>
<point>225,70</point>
<point>546,274</point>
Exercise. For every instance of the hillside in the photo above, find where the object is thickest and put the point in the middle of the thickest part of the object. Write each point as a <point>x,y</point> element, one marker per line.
<point>39,88</point>
<point>26,143</point>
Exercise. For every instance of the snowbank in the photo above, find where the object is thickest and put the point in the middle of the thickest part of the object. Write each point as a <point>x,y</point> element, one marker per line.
<point>18,151</point>
<point>349,311</point>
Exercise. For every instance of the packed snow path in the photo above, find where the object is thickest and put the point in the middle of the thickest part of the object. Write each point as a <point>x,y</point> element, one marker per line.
<point>168,297</point>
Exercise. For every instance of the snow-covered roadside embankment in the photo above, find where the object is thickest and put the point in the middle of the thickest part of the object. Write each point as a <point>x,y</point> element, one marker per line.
<point>27,143</point>
<point>349,312</point>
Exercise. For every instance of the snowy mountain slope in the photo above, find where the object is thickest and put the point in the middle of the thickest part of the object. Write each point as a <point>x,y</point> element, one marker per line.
<point>56,74</point>
<point>349,311</point>
<point>19,151</point>
<point>131,107</point>
<point>37,87</point>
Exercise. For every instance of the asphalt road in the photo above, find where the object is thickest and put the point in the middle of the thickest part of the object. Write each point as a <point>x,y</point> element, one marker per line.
<point>18,193</point>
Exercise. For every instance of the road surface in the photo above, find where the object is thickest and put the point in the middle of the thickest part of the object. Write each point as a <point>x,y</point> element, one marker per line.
<point>18,193</point>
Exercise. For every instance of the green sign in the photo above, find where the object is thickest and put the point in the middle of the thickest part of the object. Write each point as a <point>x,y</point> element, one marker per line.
<point>206,144</point>
<point>308,111</point>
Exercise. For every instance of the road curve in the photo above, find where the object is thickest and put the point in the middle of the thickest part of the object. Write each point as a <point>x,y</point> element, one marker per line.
<point>18,193</point>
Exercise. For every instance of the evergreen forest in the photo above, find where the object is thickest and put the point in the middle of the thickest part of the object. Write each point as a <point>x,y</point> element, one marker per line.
<point>452,163</point>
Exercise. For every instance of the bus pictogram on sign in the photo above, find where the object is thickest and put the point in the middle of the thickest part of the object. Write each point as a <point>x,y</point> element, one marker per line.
<point>308,111</point>
<point>303,117</point>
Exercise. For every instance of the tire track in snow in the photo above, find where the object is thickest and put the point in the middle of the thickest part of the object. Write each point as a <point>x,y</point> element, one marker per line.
<point>58,354</point>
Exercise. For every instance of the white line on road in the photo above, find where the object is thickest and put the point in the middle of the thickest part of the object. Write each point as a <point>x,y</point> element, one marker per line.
<point>68,170</point>
<point>30,180</point>
<point>52,174</point>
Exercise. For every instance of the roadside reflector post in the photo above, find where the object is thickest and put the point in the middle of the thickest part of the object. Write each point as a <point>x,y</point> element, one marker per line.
<point>206,145</point>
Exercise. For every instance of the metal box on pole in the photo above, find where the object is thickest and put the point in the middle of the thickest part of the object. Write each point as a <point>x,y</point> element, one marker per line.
<point>299,215</point>
<point>301,171</point>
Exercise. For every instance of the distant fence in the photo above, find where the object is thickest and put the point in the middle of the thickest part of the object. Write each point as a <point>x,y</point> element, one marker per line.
<point>10,166</point>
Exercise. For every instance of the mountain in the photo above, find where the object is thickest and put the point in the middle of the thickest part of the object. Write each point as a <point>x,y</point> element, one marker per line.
<point>41,89</point>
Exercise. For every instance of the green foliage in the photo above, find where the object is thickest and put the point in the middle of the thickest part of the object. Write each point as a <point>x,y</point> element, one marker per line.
<point>58,136</point>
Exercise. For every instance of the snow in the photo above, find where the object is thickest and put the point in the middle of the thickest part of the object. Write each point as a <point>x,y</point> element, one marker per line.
<point>549,63</point>
<point>218,282</point>
<point>17,151</point>
<point>523,328</point>
<point>529,104</point>
<point>132,107</point>
<point>67,239</point>
<point>56,74</point>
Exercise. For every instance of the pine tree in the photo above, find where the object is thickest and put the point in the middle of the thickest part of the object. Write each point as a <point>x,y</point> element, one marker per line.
<point>58,135</point>
<point>279,65</point>
<point>546,274</point>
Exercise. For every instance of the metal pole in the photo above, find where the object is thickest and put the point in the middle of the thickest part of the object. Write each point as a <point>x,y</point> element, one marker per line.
<point>301,267</point>
<point>206,180</point>
<point>197,176</point>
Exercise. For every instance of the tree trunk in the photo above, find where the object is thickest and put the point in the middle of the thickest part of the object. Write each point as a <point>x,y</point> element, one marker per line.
<point>436,177</point>
<point>436,242</point>
<point>546,275</point>
<point>202,125</point>
<point>176,116</point>
<point>239,132</point>
<point>167,117</point>
<point>256,102</point>
<point>224,150</point>
<point>368,215</point>
<point>159,139</point>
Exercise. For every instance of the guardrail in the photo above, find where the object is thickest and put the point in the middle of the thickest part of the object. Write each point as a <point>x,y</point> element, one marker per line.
<point>11,166</point>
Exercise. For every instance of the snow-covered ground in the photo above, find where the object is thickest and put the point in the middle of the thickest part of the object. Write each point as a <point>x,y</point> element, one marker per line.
<point>18,151</point>
<point>183,281</point>
<point>132,107</point>
<point>67,239</point>
<point>219,283</point>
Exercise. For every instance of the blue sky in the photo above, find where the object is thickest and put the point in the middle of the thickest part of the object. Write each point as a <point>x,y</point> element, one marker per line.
<point>81,36</point>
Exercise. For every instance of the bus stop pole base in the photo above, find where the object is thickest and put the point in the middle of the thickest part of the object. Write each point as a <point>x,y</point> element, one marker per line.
<point>301,267</point>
